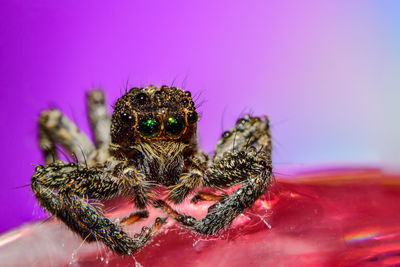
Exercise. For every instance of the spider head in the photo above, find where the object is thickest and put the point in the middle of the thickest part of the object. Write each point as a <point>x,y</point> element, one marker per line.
<point>151,114</point>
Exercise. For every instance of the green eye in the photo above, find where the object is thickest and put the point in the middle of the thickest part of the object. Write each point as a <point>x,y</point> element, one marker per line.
<point>174,126</point>
<point>149,127</point>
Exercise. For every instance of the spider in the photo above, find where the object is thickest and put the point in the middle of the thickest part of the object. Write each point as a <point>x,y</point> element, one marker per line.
<point>149,141</point>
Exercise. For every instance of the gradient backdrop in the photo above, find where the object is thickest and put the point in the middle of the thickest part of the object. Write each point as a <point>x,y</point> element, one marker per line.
<point>327,74</point>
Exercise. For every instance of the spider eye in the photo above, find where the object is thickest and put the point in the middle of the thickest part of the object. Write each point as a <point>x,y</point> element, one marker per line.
<point>174,126</point>
<point>142,98</point>
<point>149,127</point>
<point>192,117</point>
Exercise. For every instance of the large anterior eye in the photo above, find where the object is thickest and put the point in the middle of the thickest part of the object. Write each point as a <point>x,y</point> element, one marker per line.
<point>149,127</point>
<point>174,126</point>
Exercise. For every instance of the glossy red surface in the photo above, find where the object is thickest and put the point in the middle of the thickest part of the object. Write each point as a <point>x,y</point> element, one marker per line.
<point>331,218</point>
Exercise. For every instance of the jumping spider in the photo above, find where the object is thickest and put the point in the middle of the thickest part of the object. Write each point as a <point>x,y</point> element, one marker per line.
<point>149,141</point>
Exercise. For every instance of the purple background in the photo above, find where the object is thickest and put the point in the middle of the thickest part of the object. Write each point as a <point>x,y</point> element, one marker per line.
<point>327,74</point>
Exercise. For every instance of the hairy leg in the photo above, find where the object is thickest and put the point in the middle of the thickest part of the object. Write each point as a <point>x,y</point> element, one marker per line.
<point>47,144</point>
<point>246,161</point>
<point>98,117</point>
<point>253,172</point>
<point>54,128</point>
<point>111,234</point>
<point>63,189</point>
<point>249,134</point>
<point>246,132</point>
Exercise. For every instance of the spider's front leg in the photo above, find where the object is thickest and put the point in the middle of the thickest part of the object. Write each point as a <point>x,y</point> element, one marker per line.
<point>251,168</point>
<point>63,189</point>
<point>246,132</point>
<point>249,163</point>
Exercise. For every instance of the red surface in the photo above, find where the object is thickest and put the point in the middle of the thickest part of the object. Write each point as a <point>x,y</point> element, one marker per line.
<point>330,218</point>
<point>341,218</point>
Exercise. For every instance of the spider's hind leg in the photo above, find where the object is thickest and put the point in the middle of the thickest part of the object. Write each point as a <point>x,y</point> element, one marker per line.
<point>98,117</point>
<point>55,128</point>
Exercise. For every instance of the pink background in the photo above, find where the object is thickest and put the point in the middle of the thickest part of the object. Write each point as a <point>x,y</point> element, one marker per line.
<point>327,74</point>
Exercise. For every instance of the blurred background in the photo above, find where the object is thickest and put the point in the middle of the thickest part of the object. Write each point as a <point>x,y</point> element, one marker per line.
<point>327,75</point>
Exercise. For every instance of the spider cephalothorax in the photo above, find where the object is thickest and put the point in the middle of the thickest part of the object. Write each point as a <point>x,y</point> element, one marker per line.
<point>153,114</point>
<point>149,141</point>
